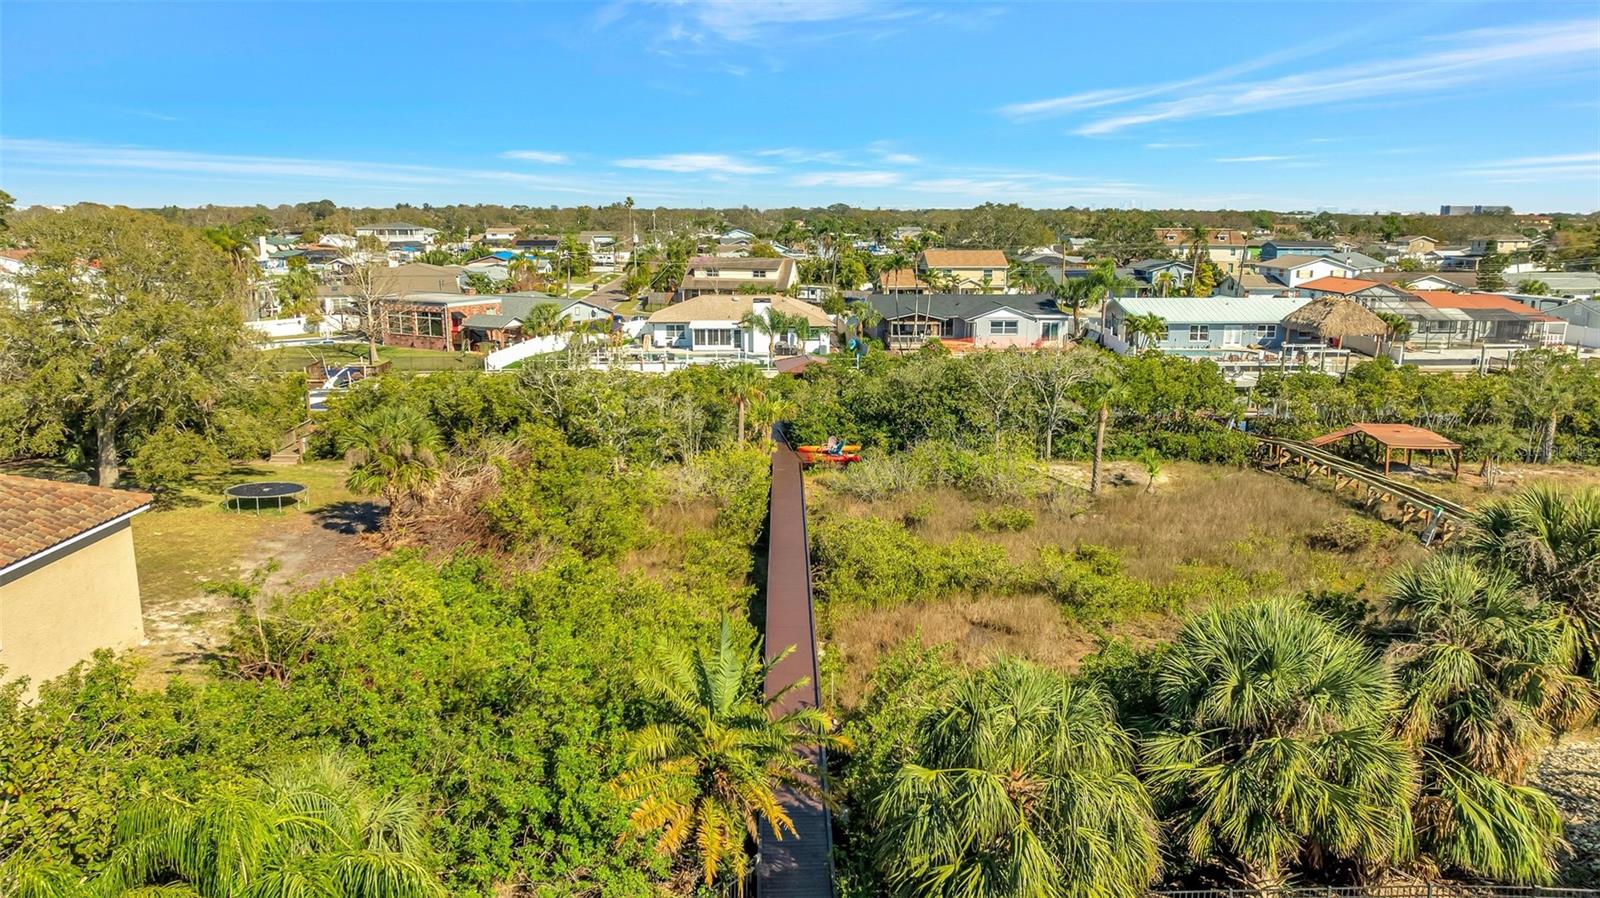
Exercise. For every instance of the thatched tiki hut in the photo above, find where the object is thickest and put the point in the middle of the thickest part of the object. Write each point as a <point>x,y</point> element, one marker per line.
<point>1333,319</point>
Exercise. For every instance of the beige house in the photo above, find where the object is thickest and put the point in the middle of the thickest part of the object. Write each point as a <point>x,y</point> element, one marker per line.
<point>68,583</point>
<point>1227,249</point>
<point>1415,245</point>
<point>714,274</point>
<point>966,270</point>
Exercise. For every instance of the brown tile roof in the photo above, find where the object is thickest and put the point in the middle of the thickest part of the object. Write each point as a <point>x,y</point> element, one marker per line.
<point>1214,236</point>
<point>964,258</point>
<point>37,514</point>
<point>1342,286</point>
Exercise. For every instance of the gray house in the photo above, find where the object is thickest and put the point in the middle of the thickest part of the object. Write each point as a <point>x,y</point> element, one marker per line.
<point>988,321</point>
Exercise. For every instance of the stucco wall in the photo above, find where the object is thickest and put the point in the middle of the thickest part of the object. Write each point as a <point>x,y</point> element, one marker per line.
<point>58,613</point>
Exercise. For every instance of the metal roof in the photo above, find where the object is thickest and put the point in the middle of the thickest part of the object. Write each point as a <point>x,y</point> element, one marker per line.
<point>1213,309</point>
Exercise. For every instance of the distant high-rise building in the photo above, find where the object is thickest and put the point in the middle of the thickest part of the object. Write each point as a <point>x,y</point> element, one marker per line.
<point>1474,210</point>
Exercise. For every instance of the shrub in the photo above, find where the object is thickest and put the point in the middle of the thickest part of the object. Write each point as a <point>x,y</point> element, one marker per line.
<point>1349,534</point>
<point>1089,581</point>
<point>1004,520</point>
<point>875,562</point>
<point>918,514</point>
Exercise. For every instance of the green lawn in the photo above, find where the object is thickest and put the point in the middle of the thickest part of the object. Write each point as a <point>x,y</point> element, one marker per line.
<point>194,540</point>
<point>296,358</point>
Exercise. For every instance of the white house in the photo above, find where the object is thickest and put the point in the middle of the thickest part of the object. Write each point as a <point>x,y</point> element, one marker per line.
<point>13,265</point>
<point>1292,271</point>
<point>394,233</point>
<point>342,241</point>
<point>500,234</point>
<point>712,323</point>
<point>713,274</point>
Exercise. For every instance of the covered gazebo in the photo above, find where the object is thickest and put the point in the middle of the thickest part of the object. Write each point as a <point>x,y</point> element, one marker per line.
<point>1398,436</point>
<point>1334,319</point>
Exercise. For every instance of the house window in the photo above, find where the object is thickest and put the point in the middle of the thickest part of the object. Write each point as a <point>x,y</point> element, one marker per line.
<point>1199,333</point>
<point>417,324</point>
<point>673,332</point>
<point>1050,330</point>
<point>1266,331</point>
<point>988,273</point>
<point>714,338</point>
<point>712,273</point>
<point>1003,328</point>
<point>758,273</point>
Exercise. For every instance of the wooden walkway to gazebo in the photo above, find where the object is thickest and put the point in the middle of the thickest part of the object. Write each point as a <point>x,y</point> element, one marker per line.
<point>793,867</point>
<point>1398,436</point>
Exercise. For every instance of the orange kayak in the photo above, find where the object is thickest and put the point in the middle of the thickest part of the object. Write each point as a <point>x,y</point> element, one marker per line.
<point>810,455</point>
<point>849,448</point>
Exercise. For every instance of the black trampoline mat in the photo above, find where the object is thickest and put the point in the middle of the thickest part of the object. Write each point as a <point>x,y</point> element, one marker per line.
<point>267,489</point>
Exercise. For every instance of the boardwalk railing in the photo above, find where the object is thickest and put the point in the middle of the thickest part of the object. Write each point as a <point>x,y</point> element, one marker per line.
<point>1404,890</point>
<point>1439,518</point>
<point>799,865</point>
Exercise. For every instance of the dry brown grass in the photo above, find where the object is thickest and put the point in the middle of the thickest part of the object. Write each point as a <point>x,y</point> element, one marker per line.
<point>670,524</point>
<point>976,629</point>
<point>1252,522</point>
<point>1245,519</point>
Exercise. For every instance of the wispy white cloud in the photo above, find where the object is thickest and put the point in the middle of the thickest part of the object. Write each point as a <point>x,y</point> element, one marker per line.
<point>544,156</point>
<point>1477,57</point>
<point>1263,158</point>
<point>846,179</point>
<point>743,21</point>
<point>695,162</point>
<point>1534,169</point>
<point>97,157</point>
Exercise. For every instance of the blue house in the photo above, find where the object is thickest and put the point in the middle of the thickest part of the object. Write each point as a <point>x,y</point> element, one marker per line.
<point>1199,325</point>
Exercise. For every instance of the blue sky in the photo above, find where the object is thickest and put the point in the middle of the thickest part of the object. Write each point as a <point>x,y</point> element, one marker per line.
<point>1350,106</point>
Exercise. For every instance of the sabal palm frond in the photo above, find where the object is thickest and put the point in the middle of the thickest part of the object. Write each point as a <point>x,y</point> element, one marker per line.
<point>395,451</point>
<point>1548,538</point>
<point>1277,739</point>
<point>707,771</point>
<point>1022,784</point>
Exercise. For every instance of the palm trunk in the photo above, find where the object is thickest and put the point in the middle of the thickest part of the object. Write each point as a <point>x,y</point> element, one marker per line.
<point>108,464</point>
<point>741,420</point>
<point>1099,449</point>
<point>1547,447</point>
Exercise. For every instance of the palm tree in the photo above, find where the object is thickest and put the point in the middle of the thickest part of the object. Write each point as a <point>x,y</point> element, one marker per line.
<point>1022,784</point>
<point>708,768</point>
<point>862,317</point>
<point>307,829</point>
<point>1146,330</point>
<point>1199,247</point>
<point>1164,282</point>
<point>394,451</point>
<point>1276,744</point>
<point>744,386</point>
<point>1533,287</point>
<point>544,319</point>
<point>1485,673</point>
<point>769,324</point>
<point>1097,287</point>
<point>1548,540</point>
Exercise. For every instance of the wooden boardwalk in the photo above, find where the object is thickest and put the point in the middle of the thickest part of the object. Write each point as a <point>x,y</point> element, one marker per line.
<point>1438,519</point>
<point>793,867</point>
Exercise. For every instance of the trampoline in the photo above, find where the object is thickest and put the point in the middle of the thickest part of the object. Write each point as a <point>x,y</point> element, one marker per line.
<point>276,493</point>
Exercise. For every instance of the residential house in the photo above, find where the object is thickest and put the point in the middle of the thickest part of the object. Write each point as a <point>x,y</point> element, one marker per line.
<point>711,274</point>
<point>1503,244</point>
<point>903,280</point>
<point>500,234</point>
<point>1201,325</point>
<point>1285,246</point>
<point>1363,291</point>
<point>69,582</point>
<point>712,322</point>
<point>342,241</point>
<point>507,324</point>
<point>1250,283</point>
<point>400,234</point>
<point>813,293</point>
<point>905,232</point>
<point>1414,246</point>
<point>13,267</point>
<point>979,320</point>
<point>1441,320</point>
<point>603,250</point>
<point>969,270</point>
<point>1583,322</point>
<point>1425,280</point>
<point>1292,271</point>
<point>1155,276</point>
<point>433,320</point>
<point>542,243</point>
<point>1226,248</point>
